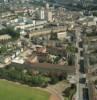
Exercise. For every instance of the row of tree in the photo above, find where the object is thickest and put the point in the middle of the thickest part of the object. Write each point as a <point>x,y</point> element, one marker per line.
<point>26,76</point>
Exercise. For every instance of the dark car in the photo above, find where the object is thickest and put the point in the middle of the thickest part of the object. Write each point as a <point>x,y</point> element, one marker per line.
<point>82,80</point>
<point>81,53</point>
<point>82,66</point>
<point>81,44</point>
<point>85,94</point>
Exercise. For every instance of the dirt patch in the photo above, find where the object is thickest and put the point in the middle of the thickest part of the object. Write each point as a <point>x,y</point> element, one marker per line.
<point>54,97</point>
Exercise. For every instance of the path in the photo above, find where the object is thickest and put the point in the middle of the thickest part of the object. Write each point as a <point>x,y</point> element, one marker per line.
<point>54,97</point>
<point>56,90</point>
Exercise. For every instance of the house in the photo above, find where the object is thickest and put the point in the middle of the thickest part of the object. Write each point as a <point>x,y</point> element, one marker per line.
<point>7,60</point>
<point>56,51</point>
<point>41,49</point>
<point>62,61</point>
<point>18,60</point>
<point>42,57</point>
<point>62,35</point>
<point>33,59</point>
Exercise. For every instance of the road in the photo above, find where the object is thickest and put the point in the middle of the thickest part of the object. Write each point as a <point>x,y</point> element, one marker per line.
<point>79,75</point>
<point>77,33</point>
<point>89,69</point>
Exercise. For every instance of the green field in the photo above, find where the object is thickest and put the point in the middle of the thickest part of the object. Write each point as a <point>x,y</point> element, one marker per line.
<point>11,91</point>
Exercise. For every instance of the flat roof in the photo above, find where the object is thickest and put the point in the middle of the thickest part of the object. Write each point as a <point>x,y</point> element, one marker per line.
<point>46,67</point>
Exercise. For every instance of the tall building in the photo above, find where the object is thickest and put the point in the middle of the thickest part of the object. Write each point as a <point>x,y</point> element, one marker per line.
<point>95,1</point>
<point>42,14</point>
<point>49,16</point>
<point>47,6</point>
<point>1,1</point>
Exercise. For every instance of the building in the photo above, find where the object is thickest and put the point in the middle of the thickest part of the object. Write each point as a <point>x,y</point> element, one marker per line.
<point>4,38</point>
<point>46,67</point>
<point>49,16</point>
<point>33,59</point>
<point>42,14</point>
<point>62,35</point>
<point>47,6</point>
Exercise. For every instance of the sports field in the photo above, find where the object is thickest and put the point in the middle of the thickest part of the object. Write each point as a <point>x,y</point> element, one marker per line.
<point>11,91</point>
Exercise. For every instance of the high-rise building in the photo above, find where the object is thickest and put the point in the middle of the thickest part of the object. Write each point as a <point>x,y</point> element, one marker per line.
<point>42,14</point>
<point>49,16</point>
<point>47,6</point>
<point>1,1</point>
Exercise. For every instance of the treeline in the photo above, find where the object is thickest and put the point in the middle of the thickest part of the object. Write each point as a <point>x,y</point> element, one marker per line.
<point>37,3</point>
<point>29,77</point>
<point>79,7</point>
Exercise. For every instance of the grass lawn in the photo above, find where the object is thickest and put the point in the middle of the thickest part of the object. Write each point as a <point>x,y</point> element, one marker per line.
<point>11,91</point>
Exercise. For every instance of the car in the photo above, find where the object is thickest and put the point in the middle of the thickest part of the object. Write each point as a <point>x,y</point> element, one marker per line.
<point>82,80</point>
<point>85,94</point>
<point>81,53</point>
<point>82,67</point>
<point>81,44</point>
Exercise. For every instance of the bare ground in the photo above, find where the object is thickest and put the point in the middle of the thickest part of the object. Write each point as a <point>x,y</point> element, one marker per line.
<point>54,97</point>
<point>56,90</point>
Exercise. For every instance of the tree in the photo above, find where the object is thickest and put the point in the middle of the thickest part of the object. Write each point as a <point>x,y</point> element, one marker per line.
<point>71,49</point>
<point>10,31</point>
<point>71,60</point>
<point>53,36</point>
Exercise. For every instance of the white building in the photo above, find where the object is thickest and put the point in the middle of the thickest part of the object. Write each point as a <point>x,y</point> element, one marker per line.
<point>18,60</point>
<point>49,16</point>
<point>47,6</point>
<point>42,14</point>
<point>62,35</point>
<point>5,37</point>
